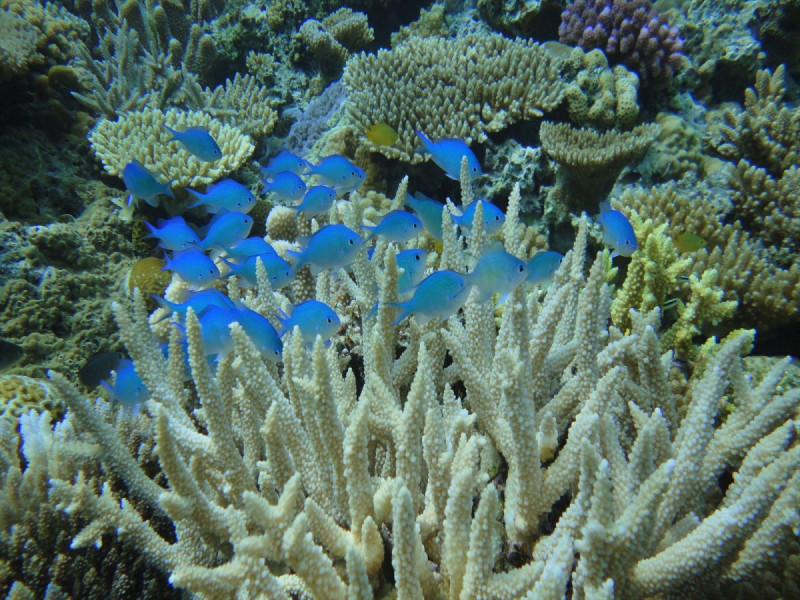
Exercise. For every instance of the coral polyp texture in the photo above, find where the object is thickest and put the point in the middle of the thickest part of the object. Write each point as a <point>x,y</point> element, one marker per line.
<point>630,32</point>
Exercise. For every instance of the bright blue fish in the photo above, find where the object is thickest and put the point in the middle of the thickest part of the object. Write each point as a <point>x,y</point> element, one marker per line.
<point>248,247</point>
<point>217,339</point>
<point>493,217</point>
<point>261,333</point>
<point>228,230</point>
<point>313,318</point>
<point>197,141</point>
<point>199,302</point>
<point>318,200</point>
<point>142,184</point>
<point>287,185</point>
<point>429,212</point>
<point>339,173</point>
<point>497,272</point>
<point>438,296</point>
<point>413,264</point>
<point>396,226</point>
<point>174,234</point>
<point>617,231</point>
<point>226,195</point>
<point>128,388</point>
<point>279,271</point>
<point>193,267</point>
<point>447,154</point>
<point>543,266</point>
<point>331,247</point>
<point>285,161</point>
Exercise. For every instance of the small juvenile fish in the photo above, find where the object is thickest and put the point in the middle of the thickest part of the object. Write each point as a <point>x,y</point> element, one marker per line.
<point>198,142</point>
<point>447,154</point>
<point>287,185</point>
<point>248,247</point>
<point>285,161</point>
<point>226,195</point>
<point>99,367</point>
<point>413,264</point>
<point>493,217</point>
<point>261,333</point>
<point>396,226</point>
<point>438,296</point>
<point>689,242</point>
<point>199,301</point>
<point>9,354</point>
<point>142,184</point>
<point>313,318</point>
<point>331,247</point>
<point>279,271</point>
<point>193,267</point>
<point>381,134</point>
<point>128,388</point>
<point>318,200</point>
<point>497,272</point>
<point>173,234</point>
<point>617,231</point>
<point>429,212</point>
<point>339,173</point>
<point>543,266</point>
<point>228,230</point>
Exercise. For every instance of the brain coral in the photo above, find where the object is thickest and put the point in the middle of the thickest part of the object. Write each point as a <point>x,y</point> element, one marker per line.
<point>141,135</point>
<point>451,88</point>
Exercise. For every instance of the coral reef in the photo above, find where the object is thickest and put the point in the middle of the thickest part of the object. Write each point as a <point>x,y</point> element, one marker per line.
<point>331,41</point>
<point>19,394</point>
<point>525,18</point>
<point>677,150</point>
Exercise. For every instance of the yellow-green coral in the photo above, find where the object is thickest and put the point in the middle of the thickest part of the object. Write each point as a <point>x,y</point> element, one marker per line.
<point>19,394</point>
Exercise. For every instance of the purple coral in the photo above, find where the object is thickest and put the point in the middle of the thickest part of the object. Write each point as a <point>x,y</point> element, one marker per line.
<point>630,32</point>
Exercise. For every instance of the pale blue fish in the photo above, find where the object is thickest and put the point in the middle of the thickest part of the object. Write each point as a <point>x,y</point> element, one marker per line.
<point>261,333</point>
<point>198,141</point>
<point>493,217</point>
<point>438,296</point>
<point>287,185</point>
<point>173,234</point>
<point>199,301</point>
<point>313,318</point>
<point>318,200</point>
<point>128,388</point>
<point>412,262</point>
<point>429,212</point>
<point>141,183</point>
<point>285,161</point>
<point>497,272</point>
<point>216,333</point>
<point>447,154</point>
<point>193,267</point>
<point>331,247</point>
<point>228,230</point>
<point>543,266</point>
<point>396,226</point>
<point>617,231</point>
<point>248,247</point>
<point>226,195</point>
<point>279,271</point>
<point>339,173</point>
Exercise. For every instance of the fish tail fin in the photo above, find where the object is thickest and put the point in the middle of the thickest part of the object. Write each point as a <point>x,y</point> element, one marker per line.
<point>164,303</point>
<point>230,266</point>
<point>106,386</point>
<point>172,132</point>
<point>406,312</point>
<point>199,198</point>
<point>168,189</point>
<point>153,230</point>
<point>426,141</point>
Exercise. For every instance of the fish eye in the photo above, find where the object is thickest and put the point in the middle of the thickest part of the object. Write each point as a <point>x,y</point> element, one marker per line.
<point>496,218</point>
<point>417,257</point>
<point>330,320</point>
<point>627,242</point>
<point>351,241</point>
<point>474,169</point>
<point>521,268</point>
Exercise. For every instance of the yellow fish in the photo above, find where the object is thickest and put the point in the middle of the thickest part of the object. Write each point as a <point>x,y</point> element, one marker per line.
<point>689,242</point>
<point>381,134</point>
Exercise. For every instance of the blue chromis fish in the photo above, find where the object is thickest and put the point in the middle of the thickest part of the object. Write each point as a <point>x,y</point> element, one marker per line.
<point>339,173</point>
<point>313,318</point>
<point>142,184</point>
<point>128,388</point>
<point>248,247</point>
<point>447,154</point>
<point>493,217</point>
<point>543,266</point>
<point>279,271</point>
<point>437,296</point>
<point>497,272</point>
<point>174,234</point>
<point>285,161</point>
<point>331,247</point>
<point>199,301</point>
<point>318,200</point>
<point>261,332</point>
<point>99,367</point>
<point>412,262</point>
<point>193,267</point>
<point>286,185</point>
<point>228,230</point>
<point>215,330</point>
<point>429,212</point>
<point>198,141</point>
<point>617,231</point>
<point>225,195</point>
<point>396,226</point>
